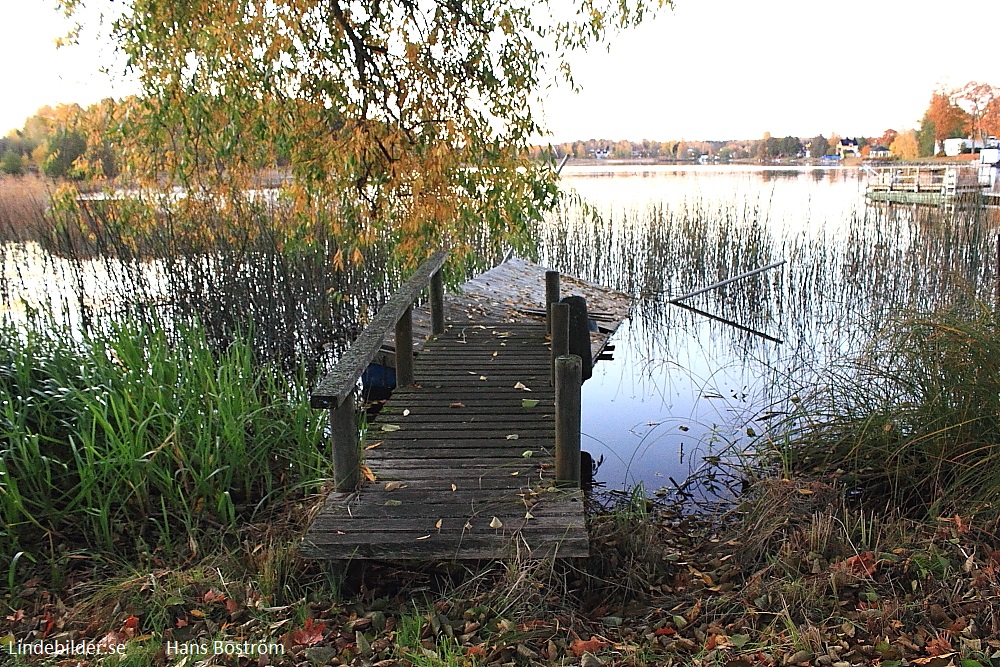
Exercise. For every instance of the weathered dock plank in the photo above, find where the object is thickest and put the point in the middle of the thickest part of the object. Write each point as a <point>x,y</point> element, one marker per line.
<point>513,293</point>
<point>463,460</point>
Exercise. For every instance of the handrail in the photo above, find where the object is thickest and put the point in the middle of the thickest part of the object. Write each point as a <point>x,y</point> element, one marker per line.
<point>341,381</point>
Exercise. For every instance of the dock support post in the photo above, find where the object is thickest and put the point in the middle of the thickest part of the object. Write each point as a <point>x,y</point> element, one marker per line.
<point>345,449</point>
<point>579,333</point>
<point>551,296</point>
<point>559,315</point>
<point>568,409</point>
<point>437,303</point>
<point>404,349</point>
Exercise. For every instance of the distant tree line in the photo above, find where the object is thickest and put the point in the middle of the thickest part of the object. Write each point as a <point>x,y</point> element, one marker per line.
<point>972,111</point>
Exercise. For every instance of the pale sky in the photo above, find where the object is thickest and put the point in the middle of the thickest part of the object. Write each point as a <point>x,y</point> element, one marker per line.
<point>709,69</point>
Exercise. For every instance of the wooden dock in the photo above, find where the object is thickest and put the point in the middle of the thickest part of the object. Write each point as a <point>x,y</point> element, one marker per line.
<point>514,292</point>
<point>463,459</point>
<point>928,185</point>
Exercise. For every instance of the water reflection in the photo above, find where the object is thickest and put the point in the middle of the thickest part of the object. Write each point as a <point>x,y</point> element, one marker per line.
<point>683,388</point>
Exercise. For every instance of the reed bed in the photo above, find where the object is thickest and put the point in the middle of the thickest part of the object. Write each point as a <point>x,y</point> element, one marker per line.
<point>23,200</point>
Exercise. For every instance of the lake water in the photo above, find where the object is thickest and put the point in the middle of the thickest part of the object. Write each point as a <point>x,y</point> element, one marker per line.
<point>684,389</point>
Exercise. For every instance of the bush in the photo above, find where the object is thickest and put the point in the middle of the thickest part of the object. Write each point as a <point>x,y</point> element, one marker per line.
<point>11,163</point>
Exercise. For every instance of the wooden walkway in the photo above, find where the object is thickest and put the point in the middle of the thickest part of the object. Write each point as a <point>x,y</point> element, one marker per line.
<point>463,460</point>
<point>514,292</point>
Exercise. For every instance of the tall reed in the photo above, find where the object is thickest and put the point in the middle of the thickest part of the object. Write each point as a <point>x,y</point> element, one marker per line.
<point>130,440</point>
<point>914,421</point>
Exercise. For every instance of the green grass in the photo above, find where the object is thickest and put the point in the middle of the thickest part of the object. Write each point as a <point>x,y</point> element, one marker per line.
<point>136,441</point>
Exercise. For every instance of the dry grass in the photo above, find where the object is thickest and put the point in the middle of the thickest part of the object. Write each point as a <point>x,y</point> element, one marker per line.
<point>23,200</point>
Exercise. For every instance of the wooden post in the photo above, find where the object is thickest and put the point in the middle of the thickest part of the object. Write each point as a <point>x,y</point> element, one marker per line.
<point>559,314</point>
<point>551,296</point>
<point>404,349</point>
<point>579,333</point>
<point>345,449</point>
<point>437,303</point>
<point>569,371</point>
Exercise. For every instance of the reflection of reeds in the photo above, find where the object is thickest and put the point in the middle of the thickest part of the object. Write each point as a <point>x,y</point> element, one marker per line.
<point>840,285</point>
<point>881,259</point>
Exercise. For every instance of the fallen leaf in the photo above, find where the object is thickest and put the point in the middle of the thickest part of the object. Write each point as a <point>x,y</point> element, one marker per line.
<point>527,454</point>
<point>805,492</point>
<point>424,537</point>
<point>512,436</point>
<point>311,633</point>
<point>454,488</point>
<point>482,377</point>
<point>467,526</point>
<point>521,386</point>
<point>393,503</point>
<point>515,473</point>
<point>579,647</point>
<point>439,524</point>
<point>406,412</point>
<point>392,486</point>
<point>389,428</point>
<point>367,473</point>
<point>660,632</point>
<point>373,445</point>
<point>528,515</point>
<point>457,405</point>
<point>496,523</point>
<point>529,402</point>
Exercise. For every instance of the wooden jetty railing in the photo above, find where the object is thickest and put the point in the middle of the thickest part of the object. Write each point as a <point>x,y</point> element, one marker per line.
<point>336,390</point>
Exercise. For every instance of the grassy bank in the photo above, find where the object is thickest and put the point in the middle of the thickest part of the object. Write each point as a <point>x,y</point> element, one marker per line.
<point>804,570</point>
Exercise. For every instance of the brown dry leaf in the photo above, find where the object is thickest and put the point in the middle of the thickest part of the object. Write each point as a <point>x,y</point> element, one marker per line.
<point>439,524</point>
<point>578,647</point>
<point>693,612</point>
<point>373,445</point>
<point>939,647</point>
<point>367,473</point>
<point>309,634</point>
<point>457,405</point>
<point>392,486</point>
<point>521,386</point>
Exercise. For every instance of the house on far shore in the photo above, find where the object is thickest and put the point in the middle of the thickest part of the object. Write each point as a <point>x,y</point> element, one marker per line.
<point>879,153</point>
<point>848,147</point>
<point>601,153</point>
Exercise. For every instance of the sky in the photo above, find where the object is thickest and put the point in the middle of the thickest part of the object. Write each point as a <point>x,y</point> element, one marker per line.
<point>705,70</point>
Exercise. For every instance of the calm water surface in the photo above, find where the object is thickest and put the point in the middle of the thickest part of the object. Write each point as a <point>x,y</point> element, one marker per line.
<point>683,388</point>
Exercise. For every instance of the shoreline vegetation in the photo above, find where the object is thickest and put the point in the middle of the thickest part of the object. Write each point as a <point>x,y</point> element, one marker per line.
<point>157,472</point>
